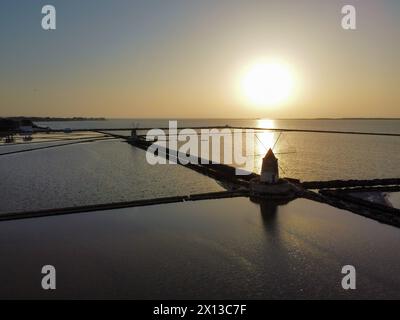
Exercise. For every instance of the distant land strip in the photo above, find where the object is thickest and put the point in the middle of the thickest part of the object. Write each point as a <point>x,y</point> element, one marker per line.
<point>45,119</point>
<point>48,140</point>
<point>120,205</point>
<point>242,128</point>
<point>354,183</point>
<point>56,145</point>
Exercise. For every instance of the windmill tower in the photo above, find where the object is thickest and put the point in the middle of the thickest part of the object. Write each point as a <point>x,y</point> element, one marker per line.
<point>134,135</point>
<point>270,165</point>
<point>269,185</point>
<point>270,168</point>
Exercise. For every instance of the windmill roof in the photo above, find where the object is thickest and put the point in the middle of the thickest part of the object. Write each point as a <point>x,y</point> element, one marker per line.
<point>270,154</point>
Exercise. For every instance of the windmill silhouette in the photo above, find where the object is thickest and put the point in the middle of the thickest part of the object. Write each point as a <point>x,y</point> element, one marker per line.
<point>273,149</point>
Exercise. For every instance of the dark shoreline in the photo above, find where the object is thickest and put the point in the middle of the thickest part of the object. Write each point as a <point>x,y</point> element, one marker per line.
<point>47,119</point>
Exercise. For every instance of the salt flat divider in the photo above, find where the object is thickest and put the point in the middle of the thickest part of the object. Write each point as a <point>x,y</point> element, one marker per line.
<point>120,205</point>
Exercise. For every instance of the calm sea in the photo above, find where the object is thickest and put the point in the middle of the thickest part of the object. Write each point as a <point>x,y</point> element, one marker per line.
<point>212,249</point>
<point>111,171</point>
<point>226,249</point>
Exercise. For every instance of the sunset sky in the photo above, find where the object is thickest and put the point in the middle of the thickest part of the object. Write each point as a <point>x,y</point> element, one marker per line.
<point>187,58</point>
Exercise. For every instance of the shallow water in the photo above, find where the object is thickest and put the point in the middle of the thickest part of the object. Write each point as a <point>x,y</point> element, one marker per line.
<point>226,249</point>
<point>90,173</point>
<point>306,156</point>
<point>101,172</point>
<point>39,138</point>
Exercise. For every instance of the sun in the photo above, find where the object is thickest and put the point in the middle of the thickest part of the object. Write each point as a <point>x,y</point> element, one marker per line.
<point>267,83</point>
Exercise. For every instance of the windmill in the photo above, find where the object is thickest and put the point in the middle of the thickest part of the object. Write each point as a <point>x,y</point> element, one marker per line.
<point>135,127</point>
<point>273,149</point>
<point>269,184</point>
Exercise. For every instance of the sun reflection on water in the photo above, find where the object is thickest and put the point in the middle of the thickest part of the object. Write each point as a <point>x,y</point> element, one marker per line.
<point>265,139</point>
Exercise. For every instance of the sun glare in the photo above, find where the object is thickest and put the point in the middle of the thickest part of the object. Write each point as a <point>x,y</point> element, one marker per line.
<point>267,84</point>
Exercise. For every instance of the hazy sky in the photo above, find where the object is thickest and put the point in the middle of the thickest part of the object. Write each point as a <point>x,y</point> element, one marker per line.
<point>183,58</point>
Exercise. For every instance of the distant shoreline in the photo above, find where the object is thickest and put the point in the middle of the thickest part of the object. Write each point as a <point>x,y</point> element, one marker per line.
<point>342,119</point>
<point>52,119</point>
<point>266,118</point>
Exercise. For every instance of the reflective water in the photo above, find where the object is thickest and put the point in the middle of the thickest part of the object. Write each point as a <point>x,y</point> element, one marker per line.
<point>226,249</point>
<point>307,156</point>
<point>109,171</point>
<point>90,173</point>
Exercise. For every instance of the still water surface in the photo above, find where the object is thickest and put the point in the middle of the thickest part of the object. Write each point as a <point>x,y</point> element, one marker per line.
<point>230,248</point>
<point>90,173</point>
<point>115,171</point>
<point>306,156</point>
<point>226,249</point>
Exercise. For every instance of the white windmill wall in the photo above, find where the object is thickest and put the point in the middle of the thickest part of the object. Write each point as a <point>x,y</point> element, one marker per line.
<point>269,177</point>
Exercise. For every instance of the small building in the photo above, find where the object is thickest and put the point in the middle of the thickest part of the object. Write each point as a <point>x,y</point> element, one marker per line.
<point>26,127</point>
<point>269,169</point>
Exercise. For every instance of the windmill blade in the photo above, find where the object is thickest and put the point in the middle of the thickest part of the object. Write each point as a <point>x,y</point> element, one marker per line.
<point>288,152</point>
<point>262,154</point>
<point>135,125</point>
<point>266,149</point>
<point>261,142</point>
<point>280,133</point>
